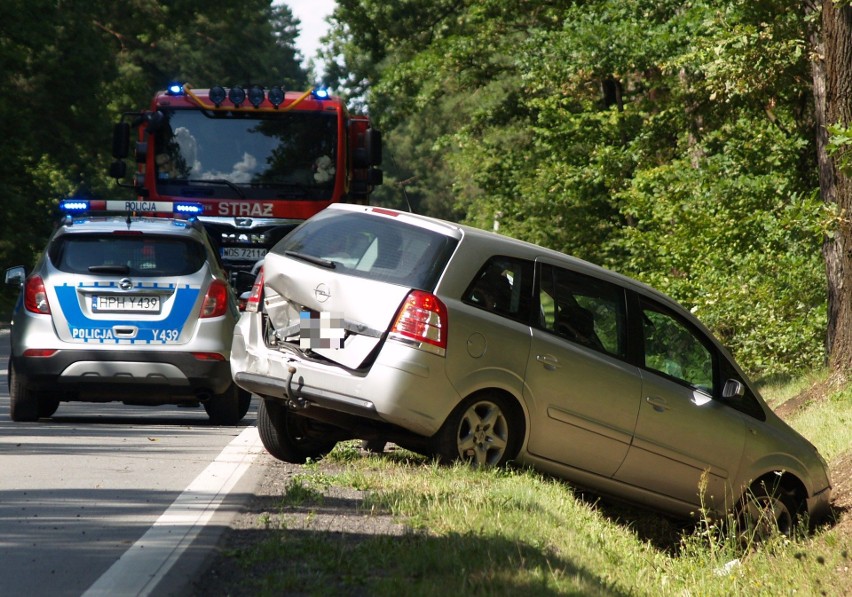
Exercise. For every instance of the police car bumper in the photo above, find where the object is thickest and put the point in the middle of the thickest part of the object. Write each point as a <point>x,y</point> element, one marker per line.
<point>172,372</point>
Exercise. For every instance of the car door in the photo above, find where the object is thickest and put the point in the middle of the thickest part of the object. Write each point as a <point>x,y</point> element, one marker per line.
<point>687,443</point>
<point>582,394</point>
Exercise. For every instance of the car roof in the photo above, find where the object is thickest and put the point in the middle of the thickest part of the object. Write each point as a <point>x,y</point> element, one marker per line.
<point>109,224</point>
<point>520,248</point>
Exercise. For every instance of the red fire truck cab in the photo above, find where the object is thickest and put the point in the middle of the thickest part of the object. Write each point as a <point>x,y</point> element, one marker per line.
<point>250,162</point>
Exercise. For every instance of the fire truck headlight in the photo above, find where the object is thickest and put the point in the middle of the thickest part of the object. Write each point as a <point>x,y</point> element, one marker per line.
<point>255,95</point>
<point>217,95</point>
<point>275,96</point>
<point>237,95</point>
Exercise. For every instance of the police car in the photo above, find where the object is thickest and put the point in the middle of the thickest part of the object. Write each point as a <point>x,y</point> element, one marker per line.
<point>122,308</point>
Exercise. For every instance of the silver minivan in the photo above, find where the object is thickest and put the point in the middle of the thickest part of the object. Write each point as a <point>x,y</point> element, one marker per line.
<point>464,344</point>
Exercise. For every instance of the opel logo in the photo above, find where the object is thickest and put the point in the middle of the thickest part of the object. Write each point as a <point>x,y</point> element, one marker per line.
<point>322,293</point>
<point>125,284</point>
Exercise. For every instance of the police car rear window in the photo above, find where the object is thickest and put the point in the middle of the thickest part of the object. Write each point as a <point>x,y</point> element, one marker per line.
<point>144,256</point>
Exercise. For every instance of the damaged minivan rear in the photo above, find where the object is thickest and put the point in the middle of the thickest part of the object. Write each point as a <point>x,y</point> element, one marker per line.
<point>461,344</point>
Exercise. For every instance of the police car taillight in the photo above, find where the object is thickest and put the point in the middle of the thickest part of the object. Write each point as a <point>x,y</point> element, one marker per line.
<point>253,302</point>
<point>422,320</point>
<point>216,301</point>
<point>35,296</point>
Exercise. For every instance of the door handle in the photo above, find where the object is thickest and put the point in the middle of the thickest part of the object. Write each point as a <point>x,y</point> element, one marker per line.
<point>657,403</point>
<point>550,362</point>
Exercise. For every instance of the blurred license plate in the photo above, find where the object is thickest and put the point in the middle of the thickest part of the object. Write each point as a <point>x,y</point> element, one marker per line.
<point>128,303</point>
<point>246,253</point>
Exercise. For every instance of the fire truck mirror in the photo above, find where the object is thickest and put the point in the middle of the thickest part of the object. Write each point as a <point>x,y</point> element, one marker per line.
<point>369,150</point>
<point>118,169</point>
<point>375,177</point>
<point>120,140</point>
<point>374,146</point>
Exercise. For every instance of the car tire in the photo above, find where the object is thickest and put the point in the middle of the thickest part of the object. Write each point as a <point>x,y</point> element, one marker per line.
<point>23,402</point>
<point>228,408</point>
<point>47,405</point>
<point>374,446</point>
<point>484,430</point>
<point>766,510</point>
<point>289,437</point>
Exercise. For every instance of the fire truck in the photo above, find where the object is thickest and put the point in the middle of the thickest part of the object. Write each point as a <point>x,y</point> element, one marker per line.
<point>249,162</point>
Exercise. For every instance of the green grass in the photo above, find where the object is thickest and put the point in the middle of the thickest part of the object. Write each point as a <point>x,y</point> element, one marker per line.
<point>517,532</point>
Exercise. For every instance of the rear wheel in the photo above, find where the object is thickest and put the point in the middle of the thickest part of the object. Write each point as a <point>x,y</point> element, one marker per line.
<point>23,402</point>
<point>289,437</point>
<point>229,407</point>
<point>483,430</point>
<point>768,509</point>
<point>47,405</point>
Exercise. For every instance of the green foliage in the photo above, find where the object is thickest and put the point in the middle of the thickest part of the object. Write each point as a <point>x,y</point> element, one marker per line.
<point>68,69</point>
<point>670,141</point>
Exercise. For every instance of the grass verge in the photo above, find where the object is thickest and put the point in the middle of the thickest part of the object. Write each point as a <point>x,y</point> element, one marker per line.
<point>417,528</point>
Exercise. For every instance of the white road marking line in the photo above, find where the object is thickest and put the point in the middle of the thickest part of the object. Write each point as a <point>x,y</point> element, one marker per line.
<point>146,563</point>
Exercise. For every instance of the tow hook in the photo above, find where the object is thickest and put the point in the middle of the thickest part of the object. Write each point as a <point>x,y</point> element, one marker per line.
<point>293,398</point>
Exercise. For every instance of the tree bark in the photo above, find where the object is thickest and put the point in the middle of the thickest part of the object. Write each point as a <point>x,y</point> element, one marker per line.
<point>832,75</point>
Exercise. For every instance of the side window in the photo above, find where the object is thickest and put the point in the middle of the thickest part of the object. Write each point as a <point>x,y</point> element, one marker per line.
<point>503,286</point>
<point>672,347</point>
<point>582,309</point>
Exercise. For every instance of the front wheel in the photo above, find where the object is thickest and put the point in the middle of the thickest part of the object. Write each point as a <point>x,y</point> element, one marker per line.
<point>768,509</point>
<point>23,402</point>
<point>484,430</point>
<point>289,437</point>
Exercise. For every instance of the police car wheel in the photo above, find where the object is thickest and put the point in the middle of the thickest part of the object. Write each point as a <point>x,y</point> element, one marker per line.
<point>47,405</point>
<point>226,408</point>
<point>23,403</point>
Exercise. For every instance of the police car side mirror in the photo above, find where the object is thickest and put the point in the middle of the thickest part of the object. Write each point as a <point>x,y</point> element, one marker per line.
<point>15,276</point>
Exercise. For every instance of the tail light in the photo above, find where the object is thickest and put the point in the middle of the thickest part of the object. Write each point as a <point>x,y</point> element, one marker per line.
<point>253,301</point>
<point>216,301</point>
<point>35,296</point>
<point>422,319</point>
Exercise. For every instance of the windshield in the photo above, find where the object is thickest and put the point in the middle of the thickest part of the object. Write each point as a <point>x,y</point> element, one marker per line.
<point>292,152</point>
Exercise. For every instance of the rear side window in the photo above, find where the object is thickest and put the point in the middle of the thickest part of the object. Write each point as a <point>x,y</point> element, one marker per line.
<point>503,286</point>
<point>371,247</point>
<point>137,255</point>
<point>583,310</point>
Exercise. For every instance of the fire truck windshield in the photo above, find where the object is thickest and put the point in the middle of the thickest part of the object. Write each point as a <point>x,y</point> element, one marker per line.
<point>293,154</point>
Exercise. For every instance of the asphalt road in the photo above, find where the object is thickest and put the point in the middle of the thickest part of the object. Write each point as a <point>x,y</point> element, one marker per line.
<point>109,499</point>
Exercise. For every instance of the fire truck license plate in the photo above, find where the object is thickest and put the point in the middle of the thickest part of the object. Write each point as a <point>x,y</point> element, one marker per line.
<point>126,303</point>
<point>245,253</point>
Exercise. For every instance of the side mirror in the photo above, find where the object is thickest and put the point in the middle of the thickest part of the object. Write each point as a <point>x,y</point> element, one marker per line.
<point>15,276</point>
<point>121,140</point>
<point>733,389</point>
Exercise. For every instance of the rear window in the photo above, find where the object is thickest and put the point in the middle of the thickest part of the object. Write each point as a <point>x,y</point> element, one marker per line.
<point>371,247</point>
<point>135,255</point>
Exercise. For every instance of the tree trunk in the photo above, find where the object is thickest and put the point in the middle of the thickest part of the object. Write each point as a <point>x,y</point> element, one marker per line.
<point>832,75</point>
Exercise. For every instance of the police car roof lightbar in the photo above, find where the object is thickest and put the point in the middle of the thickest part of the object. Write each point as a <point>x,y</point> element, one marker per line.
<point>188,209</point>
<point>74,206</point>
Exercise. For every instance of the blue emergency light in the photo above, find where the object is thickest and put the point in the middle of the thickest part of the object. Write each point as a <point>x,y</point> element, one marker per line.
<point>71,206</point>
<point>188,209</point>
<point>320,93</point>
<point>174,89</point>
